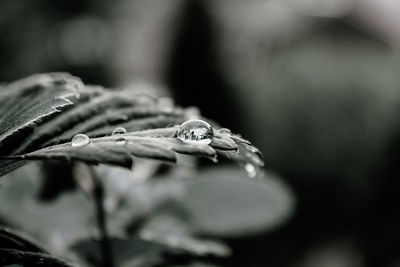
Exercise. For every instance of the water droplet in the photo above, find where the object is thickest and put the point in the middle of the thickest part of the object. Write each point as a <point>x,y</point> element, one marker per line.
<point>80,140</point>
<point>250,169</point>
<point>166,104</point>
<point>121,141</point>
<point>119,130</point>
<point>195,132</point>
<point>225,131</point>
<point>192,113</point>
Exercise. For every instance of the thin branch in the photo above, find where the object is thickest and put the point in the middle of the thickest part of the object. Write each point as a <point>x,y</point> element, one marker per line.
<point>105,243</point>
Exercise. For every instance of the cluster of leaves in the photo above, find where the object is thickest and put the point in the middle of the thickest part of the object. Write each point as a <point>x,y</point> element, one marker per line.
<point>40,115</point>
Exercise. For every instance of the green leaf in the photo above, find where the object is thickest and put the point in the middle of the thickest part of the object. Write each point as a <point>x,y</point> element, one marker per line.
<point>96,113</point>
<point>159,144</point>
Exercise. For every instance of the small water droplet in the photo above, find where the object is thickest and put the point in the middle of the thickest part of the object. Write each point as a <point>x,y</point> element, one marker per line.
<point>195,132</point>
<point>80,140</point>
<point>193,113</point>
<point>250,169</point>
<point>166,104</point>
<point>225,131</point>
<point>121,141</point>
<point>119,130</point>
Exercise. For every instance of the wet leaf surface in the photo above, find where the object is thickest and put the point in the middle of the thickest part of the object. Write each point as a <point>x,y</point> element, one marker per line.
<point>96,112</point>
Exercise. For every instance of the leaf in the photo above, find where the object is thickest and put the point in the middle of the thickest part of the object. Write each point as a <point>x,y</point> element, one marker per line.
<point>158,144</point>
<point>102,111</point>
<point>233,206</point>
<point>222,203</point>
<point>96,113</point>
<point>55,125</point>
<point>217,202</point>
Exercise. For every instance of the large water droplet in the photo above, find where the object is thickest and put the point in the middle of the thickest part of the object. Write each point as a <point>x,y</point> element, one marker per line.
<point>119,130</point>
<point>250,169</point>
<point>80,140</point>
<point>195,132</point>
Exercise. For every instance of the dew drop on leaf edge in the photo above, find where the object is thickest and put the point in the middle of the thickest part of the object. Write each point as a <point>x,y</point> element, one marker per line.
<point>195,132</point>
<point>80,140</point>
<point>119,130</point>
<point>250,169</point>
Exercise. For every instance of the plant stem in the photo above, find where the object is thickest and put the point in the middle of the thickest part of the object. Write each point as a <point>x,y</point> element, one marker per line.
<point>105,243</point>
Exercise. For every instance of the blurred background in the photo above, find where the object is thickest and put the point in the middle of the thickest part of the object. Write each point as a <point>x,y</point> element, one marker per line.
<point>314,84</point>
